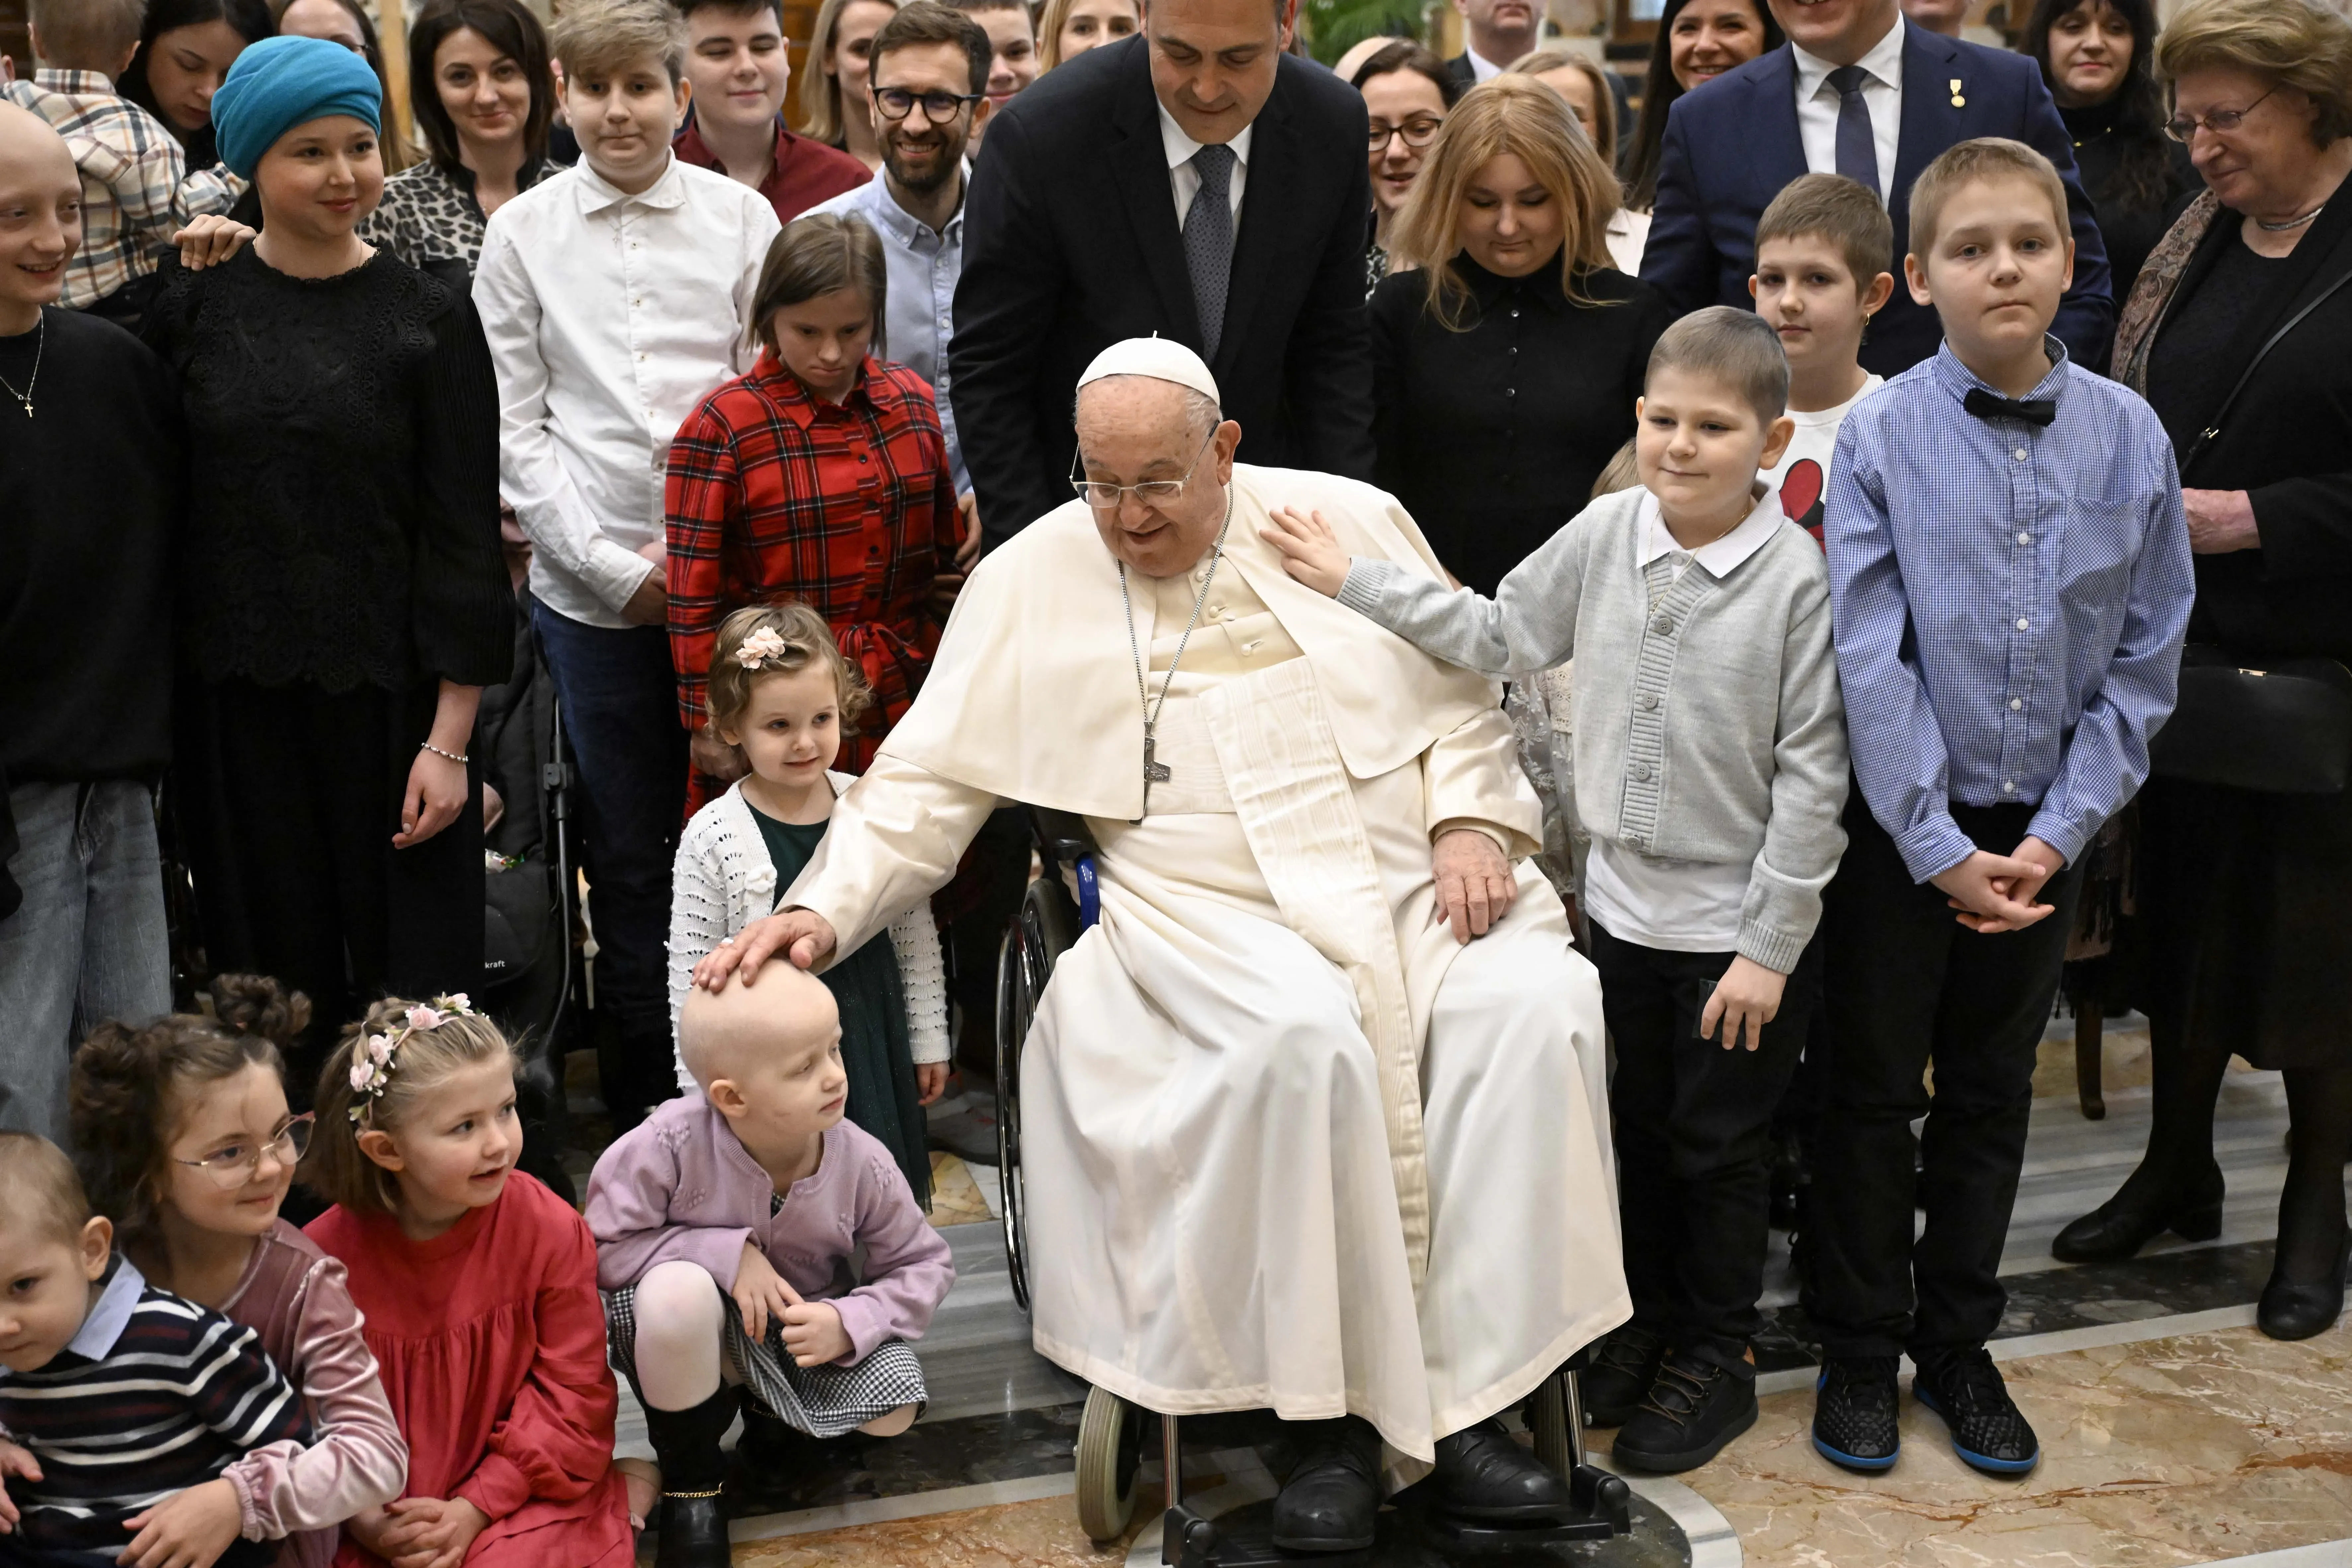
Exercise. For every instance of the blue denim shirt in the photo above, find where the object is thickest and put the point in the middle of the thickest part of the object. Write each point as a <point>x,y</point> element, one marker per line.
<point>2009,600</point>
<point>919,316</point>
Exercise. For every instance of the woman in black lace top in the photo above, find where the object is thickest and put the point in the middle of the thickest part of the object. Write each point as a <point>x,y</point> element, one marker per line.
<point>344,599</point>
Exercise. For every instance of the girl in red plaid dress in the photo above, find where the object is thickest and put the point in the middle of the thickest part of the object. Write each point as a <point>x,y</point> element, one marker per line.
<point>821,476</point>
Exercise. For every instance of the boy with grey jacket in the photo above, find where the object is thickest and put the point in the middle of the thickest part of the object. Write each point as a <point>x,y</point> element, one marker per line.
<point>1710,763</point>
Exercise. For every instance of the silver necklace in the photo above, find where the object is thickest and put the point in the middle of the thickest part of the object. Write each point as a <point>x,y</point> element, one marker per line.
<point>40,343</point>
<point>1155,771</point>
<point>2284,225</point>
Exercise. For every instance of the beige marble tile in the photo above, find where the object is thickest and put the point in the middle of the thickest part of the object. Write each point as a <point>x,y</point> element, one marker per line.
<point>1042,1534</point>
<point>956,1198</point>
<point>2171,1451</point>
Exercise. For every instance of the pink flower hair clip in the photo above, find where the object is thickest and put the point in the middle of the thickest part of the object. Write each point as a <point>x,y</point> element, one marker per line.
<point>761,645</point>
<point>371,1071</point>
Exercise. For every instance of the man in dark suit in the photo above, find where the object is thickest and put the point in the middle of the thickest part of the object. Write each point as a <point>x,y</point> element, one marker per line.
<point>1194,182</point>
<point>1857,91</point>
<point>1494,33</point>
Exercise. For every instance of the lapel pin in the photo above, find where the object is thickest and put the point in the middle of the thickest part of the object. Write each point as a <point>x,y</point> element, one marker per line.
<point>1958,102</point>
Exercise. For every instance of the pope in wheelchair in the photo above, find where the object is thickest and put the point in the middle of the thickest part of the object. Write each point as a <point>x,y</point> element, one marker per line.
<point>1313,1118</point>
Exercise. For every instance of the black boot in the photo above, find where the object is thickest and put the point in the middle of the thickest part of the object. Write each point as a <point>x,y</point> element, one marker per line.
<point>2149,1202</point>
<point>1332,1500</point>
<point>2306,1287</point>
<point>2297,1310</point>
<point>1482,1475</point>
<point>686,1445</point>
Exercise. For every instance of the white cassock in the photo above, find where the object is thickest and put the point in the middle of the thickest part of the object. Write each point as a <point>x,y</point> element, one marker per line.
<point>1284,1142</point>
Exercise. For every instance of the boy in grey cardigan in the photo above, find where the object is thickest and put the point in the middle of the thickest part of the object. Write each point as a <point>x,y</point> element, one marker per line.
<point>1710,763</point>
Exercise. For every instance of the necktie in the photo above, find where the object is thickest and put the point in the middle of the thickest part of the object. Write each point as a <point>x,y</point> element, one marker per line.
<point>1991,405</point>
<point>1857,143</point>
<point>1209,241</point>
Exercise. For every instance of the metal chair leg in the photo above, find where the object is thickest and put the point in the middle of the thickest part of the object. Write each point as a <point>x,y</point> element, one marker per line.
<point>1573,1399</point>
<point>1171,1460</point>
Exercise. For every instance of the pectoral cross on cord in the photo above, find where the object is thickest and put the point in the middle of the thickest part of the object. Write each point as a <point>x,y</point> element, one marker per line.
<point>1154,770</point>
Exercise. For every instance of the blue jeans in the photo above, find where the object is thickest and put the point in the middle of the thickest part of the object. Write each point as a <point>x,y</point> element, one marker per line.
<point>619,697</point>
<point>88,942</point>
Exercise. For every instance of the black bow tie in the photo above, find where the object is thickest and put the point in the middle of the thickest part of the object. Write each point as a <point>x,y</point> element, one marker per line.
<point>1990,405</point>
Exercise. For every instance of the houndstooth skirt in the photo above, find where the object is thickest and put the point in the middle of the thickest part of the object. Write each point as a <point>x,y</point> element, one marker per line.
<point>822,1401</point>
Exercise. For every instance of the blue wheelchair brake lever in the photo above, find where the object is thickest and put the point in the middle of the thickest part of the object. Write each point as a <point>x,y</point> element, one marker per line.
<point>1089,893</point>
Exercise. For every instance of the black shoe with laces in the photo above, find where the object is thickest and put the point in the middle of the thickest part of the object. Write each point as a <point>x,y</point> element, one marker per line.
<point>1854,1409</point>
<point>1988,1432</point>
<point>1625,1364</point>
<point>1700,1402</point>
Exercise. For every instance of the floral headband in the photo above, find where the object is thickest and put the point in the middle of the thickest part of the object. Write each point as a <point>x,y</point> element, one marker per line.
<point>761,645</point>
<point>371,1073</point>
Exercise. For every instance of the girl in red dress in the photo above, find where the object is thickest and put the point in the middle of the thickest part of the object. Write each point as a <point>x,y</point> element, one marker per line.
<point>479,1291</point>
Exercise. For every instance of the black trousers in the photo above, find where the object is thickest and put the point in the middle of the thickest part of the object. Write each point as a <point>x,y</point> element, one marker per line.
<point>1907,984</point>
<point>1694,1139</point>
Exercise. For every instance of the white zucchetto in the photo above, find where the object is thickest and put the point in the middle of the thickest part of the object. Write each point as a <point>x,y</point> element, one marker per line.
<point>1162,359</point>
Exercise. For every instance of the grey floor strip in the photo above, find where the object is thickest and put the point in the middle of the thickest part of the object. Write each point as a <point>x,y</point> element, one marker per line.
<point>2327,1554</point>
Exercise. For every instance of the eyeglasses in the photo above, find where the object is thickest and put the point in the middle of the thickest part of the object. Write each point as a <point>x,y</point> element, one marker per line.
<point>1418,133</point>
<point>234,1165</point>
<point>938,108</point>
<point>1103,495</point>
<point>2220,122</point>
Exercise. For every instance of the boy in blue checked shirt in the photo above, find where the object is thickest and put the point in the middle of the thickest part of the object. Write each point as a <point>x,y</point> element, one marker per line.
<point>2009,571</point>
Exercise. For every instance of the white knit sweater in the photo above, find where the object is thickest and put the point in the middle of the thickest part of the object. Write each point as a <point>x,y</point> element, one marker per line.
<point>725,880</point>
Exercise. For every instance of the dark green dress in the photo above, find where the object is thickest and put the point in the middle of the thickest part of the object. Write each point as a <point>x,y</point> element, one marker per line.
<point>883,1098</point>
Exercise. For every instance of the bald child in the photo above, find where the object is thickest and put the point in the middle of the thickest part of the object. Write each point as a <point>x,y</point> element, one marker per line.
<point>726,1227</point>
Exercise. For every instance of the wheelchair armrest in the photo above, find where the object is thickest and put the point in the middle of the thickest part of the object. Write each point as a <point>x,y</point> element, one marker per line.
<point>1062,837</point>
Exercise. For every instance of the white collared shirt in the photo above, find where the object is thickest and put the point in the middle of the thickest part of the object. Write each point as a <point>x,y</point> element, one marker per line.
<point>610,317</point>
<point>924,266</point>
<point>1184,180</point>
<point>1481,68</point>
<point>1658,901</point>
<point>1882,94</point>
<point>111,1313</point>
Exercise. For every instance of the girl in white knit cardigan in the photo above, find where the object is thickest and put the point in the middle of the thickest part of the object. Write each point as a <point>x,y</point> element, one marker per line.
<point>781,691</point>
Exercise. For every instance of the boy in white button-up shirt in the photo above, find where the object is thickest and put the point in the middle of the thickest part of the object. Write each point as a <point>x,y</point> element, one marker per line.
<point>616,297</point>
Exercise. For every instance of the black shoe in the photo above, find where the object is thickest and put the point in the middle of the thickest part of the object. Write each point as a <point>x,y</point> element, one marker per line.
<point>2291,1310</point>
<point>1332,1500</point>
<point>1625,1364</point>
<point>1988,1432</point>
<point>693,1531</point>
<point>2119,1227</point>
<point>1854,1406</point>
<point>1482,1475</point>
<point>1698,1404</point>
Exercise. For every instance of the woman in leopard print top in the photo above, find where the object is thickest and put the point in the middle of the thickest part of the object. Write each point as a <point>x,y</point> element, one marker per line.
<point>484,99</point>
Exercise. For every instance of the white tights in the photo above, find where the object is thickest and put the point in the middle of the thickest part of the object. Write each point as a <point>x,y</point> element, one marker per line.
<point>681,1344</point>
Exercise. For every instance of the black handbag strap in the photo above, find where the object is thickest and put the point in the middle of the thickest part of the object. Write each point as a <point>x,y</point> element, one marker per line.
<point>2205,437</point>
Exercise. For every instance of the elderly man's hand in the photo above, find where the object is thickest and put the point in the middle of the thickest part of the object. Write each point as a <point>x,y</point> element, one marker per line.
<point>1474,882</point>
<point>807,935</point>
<point>1310,551</point>
<point>2221,521</point>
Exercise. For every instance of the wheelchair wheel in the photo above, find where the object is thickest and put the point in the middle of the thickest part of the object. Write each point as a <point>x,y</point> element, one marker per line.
<point>1111,1456</point>
<point>1047,925</point>
<point>1549,1418</point>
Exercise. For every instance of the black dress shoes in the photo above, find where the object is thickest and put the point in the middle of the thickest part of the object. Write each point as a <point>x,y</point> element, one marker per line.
<point>1332,1501</point>
<point>1481,1474</point>
<point>693,1532</point>
<point>2119,1227</point>
<point>1855,1412</point>
<point>1625,1364</point>
<point>2293,1310</point>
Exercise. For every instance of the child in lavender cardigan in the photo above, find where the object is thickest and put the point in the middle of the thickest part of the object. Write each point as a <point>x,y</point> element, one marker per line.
<point>726,1224</point>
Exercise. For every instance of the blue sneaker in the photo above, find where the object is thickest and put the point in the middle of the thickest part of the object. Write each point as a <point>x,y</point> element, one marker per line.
<point>1854,1404</point>
<point>1988,1432</point>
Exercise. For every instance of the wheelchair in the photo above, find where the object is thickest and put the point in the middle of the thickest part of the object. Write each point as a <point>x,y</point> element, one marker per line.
<point>1059,904</point>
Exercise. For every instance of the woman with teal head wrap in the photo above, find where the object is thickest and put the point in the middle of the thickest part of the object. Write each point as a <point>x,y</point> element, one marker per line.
<point>344,592</point>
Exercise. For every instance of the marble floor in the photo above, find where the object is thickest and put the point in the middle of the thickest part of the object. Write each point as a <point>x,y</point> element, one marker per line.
<point>2174,1433</point>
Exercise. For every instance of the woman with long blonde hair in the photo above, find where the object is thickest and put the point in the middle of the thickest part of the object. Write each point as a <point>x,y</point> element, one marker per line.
<point>1579,78</point>
<point>1505,366</point>
<point>833,107</point>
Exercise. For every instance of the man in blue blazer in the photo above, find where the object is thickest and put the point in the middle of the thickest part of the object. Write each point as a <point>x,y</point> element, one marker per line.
<point>1856,91</point>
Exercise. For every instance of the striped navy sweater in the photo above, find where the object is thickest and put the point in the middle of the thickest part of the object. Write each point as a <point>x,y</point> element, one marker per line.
<point>155,1395</point>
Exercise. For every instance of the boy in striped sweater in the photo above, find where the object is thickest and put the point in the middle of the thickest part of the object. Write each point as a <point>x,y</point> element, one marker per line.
<point>121,1405</point>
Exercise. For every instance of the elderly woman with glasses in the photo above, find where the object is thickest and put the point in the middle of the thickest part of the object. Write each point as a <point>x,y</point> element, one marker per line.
<point>1407,92</point>
<point>2236,334</point>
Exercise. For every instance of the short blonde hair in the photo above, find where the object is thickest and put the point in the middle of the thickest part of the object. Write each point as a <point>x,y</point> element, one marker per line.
<point>1604,103</point>
<point>87,34</point>
<point>2295,43</point>
<point>807,639</point>
<point>1738,348</point>
<point>1844,212</point>
<point>1518,115</point>
<point>820,90</point>
<point>607,36</point>
<point>1971,163</point>
<point>38,1184</point>
<point>336,1168</point>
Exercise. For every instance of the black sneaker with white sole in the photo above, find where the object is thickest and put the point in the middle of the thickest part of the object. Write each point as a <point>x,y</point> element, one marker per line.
<point>1988,1432</point>
<point>1699,1401</point>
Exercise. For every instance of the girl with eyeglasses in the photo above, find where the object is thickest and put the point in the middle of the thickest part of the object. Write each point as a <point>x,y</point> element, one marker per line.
<point>1408,92</point>
<point>186,1141</point>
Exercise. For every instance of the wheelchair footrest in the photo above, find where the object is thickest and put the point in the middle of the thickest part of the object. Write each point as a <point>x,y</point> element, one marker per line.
<point>1412,1534</point>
